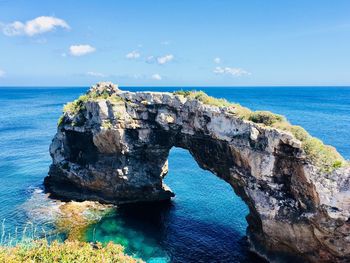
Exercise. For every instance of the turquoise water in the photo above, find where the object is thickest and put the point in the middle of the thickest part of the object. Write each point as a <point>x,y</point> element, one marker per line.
<point>204,223</point>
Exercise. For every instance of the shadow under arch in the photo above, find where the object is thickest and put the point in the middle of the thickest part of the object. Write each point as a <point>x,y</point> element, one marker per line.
<point>205,222</point>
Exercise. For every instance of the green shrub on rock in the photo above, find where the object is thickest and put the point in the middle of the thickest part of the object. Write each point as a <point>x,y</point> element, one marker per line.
<point>203,97</point>
<point>184,93</point>
<point>75,106</point>
<point>299,132</point>
<point>106,124</point>
<point>67,252</point>
<point>60,120</point>
<point>266,117</point>
<point>323,156</point>
<point>239,111</point>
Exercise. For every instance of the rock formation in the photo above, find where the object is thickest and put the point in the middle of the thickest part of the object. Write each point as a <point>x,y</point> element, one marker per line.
<point>113,145</point>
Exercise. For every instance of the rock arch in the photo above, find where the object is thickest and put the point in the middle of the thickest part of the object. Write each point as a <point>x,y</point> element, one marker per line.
<point>114,148</point>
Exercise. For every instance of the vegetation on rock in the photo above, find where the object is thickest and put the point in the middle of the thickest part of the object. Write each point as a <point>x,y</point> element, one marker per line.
<point>60,120</point>
<point>203,97</point>
<point>76,217</point>
<point>106,124</point>
<point>67,252</point>
<point>266,117</point>
<point>323,156</point>
<point>76,106</point>
<point>105,91</point>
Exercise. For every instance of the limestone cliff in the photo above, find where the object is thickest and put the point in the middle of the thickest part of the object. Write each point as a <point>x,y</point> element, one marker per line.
<point>112,146</point>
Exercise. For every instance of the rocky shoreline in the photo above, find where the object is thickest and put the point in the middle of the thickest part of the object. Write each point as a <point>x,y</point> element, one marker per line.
<point>112,146</point>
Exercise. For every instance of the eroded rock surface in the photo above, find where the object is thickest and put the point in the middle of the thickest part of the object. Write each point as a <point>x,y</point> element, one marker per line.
<point>115,150</point>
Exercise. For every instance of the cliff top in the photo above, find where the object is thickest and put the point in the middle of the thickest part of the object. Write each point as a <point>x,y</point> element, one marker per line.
<point>323,156</point>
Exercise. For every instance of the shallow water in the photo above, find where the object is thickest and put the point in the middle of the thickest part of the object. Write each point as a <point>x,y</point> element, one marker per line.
<point>204,223</point>
<point>188,228</point>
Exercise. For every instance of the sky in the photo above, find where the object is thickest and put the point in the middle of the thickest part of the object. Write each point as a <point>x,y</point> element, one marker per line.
<point>175,43</point>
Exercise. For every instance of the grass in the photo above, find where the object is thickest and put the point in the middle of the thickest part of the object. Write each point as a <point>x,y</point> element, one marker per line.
<point>67,252</point>
<point>96,93</point>
<point>93,96</point>
<point>325,157</point>
<point>25,234</point>
<point>203,97</point>
<point>265,117</point>
<point>33,245</point>
<point>106,124</point>
<point>78,105</point>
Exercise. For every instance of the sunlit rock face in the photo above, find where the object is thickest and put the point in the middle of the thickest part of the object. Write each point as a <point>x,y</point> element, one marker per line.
<point>116,151</point>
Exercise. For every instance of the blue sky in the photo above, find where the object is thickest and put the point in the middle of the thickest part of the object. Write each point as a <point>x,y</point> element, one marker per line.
<point>177,43</point>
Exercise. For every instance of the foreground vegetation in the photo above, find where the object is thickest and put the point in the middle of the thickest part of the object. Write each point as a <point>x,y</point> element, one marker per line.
<point>46,245</point>
<point>67,252</point>
<point>323,156</point>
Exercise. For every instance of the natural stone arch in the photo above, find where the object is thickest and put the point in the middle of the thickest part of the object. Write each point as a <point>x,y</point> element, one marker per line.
<point>115,148</point>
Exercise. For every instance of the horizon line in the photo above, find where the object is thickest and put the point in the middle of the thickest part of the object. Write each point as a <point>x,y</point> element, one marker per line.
<point>182,86</point>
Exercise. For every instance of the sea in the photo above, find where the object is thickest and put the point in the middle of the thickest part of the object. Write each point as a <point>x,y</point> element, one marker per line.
<point>205,222</point>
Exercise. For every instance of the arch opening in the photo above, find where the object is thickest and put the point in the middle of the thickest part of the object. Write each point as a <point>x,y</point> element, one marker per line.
<point>203,222</point>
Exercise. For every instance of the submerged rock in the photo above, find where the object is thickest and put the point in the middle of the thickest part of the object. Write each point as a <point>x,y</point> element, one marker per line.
<point>57,217</point>
<point>112,146</point>
<point>75,217</point>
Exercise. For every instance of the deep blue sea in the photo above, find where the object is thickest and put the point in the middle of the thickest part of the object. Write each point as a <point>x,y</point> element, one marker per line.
<point>205,222</point>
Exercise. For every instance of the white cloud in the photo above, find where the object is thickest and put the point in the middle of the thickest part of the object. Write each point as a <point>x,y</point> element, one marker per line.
<point>217,60</point>
<point>81,50</point>
<point>156,76</point>
<point>236,72</point>
<point>160,60</point>
<point>39,25</point>
<point>95,74</point>
<point>133,55</point>
<point>165,59</point>
<point>2,73</point>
